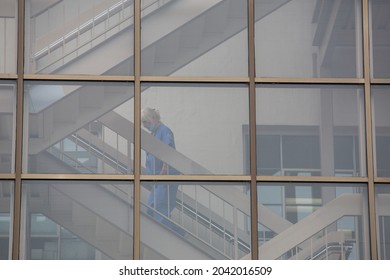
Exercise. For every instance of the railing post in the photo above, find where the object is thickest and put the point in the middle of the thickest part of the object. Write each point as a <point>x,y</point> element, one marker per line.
<point>235,230</point>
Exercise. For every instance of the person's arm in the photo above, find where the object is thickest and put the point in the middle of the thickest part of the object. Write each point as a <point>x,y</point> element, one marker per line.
<point>168,139</point>
<point>164,169</point>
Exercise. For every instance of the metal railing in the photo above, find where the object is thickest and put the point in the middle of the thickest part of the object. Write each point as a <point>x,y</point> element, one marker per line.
<point>331,242</point>
<point>114,19</point>
<point>220,232</point>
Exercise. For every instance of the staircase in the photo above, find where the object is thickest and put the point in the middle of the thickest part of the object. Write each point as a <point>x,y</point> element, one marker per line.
<point>165,47</point>
<point>87,210</point>
<point>83,104</point>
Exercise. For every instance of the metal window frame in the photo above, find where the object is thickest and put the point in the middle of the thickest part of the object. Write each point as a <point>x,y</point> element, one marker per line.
<point>251,80</point>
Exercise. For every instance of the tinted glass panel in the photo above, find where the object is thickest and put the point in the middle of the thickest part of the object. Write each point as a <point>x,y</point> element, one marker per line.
<point>203,220</point>
<point>381,103</point>
<point>6,202</point>
<point>8,36</point>
<point>382,196</point>
<point>313,221</point>
<point>79,127</point>
<point>305,38</point>
<point>7,126</point>
<point>79,37</point>
<point>201,131</point>
<point>310,131</point>
<point>192,37</point>
<point>380,38</point>
<point>78,220</point>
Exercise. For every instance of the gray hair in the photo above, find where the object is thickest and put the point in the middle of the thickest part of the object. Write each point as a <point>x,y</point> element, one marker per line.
<point>150,114</point>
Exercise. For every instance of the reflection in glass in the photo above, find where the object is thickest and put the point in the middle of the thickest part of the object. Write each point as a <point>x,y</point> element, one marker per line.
<point>310,131</point>
<point>78,220</point>
<point>305,38</point>
<point>209,221</point>
<point>380,38</point>
<point>7,123</point>
<point>209,38</point>
<point>6,199</point>
<point>207,123</point>
<point>79,37</point>
<point>382,198</point>
<point>79,127</point>
<point>8,36</point>
<point>313,221</point>
<point>381,103</point>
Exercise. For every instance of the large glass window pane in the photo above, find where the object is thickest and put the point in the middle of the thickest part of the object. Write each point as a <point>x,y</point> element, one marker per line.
<point>7,126</point>
<point>310,130</point>
<point>6,199</point>
<point>381,118</point>
<point>8,36</point>
<point>382,202</point>
<point>201,38</point>
<point>201,129</point>
<point>78,220</point>
<point>380,38</point>
<point>200,220</point>
<point>313,221</point>
<point>79,37</point>
<point>305,38</point>
<point>78,127</point>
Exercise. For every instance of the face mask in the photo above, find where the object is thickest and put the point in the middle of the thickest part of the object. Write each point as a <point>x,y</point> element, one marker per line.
<point>152,127</point>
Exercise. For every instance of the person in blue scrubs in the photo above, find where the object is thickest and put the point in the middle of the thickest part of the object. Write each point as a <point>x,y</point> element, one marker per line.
<point>162,197</point>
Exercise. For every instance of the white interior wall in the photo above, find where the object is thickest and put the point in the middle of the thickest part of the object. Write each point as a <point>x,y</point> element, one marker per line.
<point>184,114</point>
<point>207,124</point>
<point>382,113</point>
<point>8,47</point>
<point>288,32</point>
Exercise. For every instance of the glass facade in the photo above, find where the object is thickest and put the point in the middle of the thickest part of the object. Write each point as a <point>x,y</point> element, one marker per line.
<point>380,101</point>
<point>70,37</point>
<point>8,36</point>
<point>7,128</point>
<point>6,198</point>
<point>313,221</point>
<point>310,130</point>
<point>320,38</point>
<point>77,220</point>
<point>218,129</point>
<point>66,121</point>
<point>193,111</point>
<point>379,11</point>
<point>382,216</point>
<point>195,48</point>
<point>213,217</point>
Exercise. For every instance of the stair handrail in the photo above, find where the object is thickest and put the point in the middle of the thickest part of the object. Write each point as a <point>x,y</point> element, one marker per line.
<point>345,204</point>
<point>89,25</point>
<point>343,200</point>
<point>58,153</point>
<point>213,225</point>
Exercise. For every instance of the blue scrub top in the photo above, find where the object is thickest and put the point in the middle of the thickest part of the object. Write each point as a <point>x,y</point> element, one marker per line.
<point>153,164</point>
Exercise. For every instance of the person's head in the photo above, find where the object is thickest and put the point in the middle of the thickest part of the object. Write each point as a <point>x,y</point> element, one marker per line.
<point>150,118</point>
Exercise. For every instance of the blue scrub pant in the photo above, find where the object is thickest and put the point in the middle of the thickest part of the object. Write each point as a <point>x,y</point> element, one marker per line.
<point>162,201</point>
